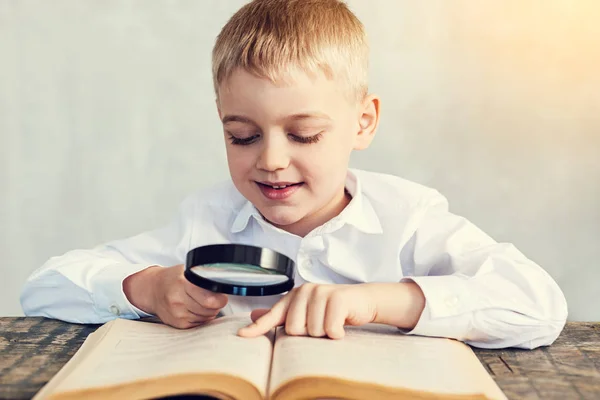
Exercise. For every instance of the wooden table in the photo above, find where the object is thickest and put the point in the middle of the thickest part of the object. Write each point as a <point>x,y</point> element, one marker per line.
<point>32,350</point>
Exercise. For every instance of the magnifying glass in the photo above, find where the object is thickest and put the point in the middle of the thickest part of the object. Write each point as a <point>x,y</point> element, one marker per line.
<point>239,269</point>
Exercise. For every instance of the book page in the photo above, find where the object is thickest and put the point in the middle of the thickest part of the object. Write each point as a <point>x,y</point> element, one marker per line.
<point>135,350</point>
<point>382,355</point>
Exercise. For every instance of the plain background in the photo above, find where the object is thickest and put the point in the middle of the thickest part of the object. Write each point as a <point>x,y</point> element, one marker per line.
<point>107,121</point>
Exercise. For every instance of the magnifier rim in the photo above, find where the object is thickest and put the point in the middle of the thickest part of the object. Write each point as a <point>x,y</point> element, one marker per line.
<point>239,290</point>
<point>240,254</point>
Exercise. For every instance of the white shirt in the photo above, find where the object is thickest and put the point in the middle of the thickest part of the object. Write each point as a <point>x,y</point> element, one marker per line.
<point>484,293</point>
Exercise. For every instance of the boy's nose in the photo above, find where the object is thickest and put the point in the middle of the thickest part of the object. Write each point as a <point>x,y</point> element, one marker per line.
<point>273,157</point>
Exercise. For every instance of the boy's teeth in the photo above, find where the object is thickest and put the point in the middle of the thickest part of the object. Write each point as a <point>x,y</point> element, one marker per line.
<point>279,187</point>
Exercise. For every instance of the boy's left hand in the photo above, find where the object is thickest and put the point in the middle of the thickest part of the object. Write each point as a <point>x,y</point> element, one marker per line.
<point>316,310</point>
<point>324,310</point>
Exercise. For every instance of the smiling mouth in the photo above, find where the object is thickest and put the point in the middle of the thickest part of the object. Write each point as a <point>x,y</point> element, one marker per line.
<point>279,186</point>
<point>279,191</point>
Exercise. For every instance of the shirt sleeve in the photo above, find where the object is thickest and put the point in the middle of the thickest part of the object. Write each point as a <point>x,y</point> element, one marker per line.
<point>86,286</point>
<point>484,293</point>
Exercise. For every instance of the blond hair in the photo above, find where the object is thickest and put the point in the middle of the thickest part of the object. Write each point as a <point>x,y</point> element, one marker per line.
<point>269,38</point>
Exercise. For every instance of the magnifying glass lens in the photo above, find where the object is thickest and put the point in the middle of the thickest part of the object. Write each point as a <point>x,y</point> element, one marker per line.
<point>239,274</point>
<point>239,269</point>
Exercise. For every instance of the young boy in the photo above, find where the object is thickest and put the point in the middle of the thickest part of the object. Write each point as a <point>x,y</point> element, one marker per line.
<point>291,90</point>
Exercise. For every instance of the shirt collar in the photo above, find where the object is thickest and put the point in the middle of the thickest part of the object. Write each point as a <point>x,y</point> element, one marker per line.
<point>359,213</point>
<point>243,217</point>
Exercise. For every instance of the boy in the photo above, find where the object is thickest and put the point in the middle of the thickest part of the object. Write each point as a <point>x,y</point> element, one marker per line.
<point>291,91</point>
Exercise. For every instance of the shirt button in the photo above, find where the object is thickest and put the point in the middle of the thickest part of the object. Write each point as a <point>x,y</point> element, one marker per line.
<point>115,310</point>
<point>452,301</point>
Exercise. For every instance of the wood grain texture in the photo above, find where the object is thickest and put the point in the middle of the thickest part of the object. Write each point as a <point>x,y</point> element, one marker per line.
<point>569,369</point>
<point>32,350</point>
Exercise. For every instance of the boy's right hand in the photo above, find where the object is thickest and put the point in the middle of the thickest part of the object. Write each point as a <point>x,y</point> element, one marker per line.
<point>166,293</point>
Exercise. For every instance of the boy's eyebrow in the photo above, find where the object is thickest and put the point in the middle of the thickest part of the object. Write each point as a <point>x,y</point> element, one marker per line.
<point>237,118</point>
<point>293,117</point>
<point>309,115</point>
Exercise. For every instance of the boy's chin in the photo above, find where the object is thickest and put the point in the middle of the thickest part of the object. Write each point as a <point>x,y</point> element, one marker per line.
<point>282,218</point>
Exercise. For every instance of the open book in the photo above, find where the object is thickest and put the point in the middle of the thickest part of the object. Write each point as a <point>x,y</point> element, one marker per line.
<point>127,359</point>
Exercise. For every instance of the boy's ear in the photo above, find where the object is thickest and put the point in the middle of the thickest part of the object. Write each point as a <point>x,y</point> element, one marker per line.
<point>368,122</point>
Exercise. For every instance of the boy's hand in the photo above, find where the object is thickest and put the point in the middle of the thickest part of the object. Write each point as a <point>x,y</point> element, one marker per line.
<point>166,293</point>
<point>316,310</point>
<point>323,310</point>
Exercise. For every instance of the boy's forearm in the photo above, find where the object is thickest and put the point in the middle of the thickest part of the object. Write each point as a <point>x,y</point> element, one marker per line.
<point>139,289</point>
<point>399,304</point>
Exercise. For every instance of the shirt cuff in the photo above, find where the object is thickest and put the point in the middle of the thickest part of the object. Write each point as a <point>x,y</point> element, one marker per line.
<point>107,291</point>
<point>447,311</point>
<point>140,313</point>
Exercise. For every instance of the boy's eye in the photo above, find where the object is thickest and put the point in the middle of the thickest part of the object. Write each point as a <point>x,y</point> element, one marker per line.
<point>243,141</point>
<point>306,139</point>
<point>253,138</point>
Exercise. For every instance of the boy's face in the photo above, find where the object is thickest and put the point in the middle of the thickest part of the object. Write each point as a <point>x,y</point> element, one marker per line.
<point>288,145</point>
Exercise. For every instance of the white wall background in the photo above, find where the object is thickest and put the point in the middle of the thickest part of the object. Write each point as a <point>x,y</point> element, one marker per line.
<point>107,121</point>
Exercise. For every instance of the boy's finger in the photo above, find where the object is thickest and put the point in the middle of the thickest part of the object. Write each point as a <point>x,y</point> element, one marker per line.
<point>265,323</point>
<point>272,318</point>
<point>259,312</point>
<point>315,316</point>
<point>335,318</point>
<point>206,298</point>
<point>197,309</point>
<point>295,321</point>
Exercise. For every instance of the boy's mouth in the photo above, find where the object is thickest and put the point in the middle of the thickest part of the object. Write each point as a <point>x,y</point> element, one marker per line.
<point>279,185</point>
<point>278,190</point>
